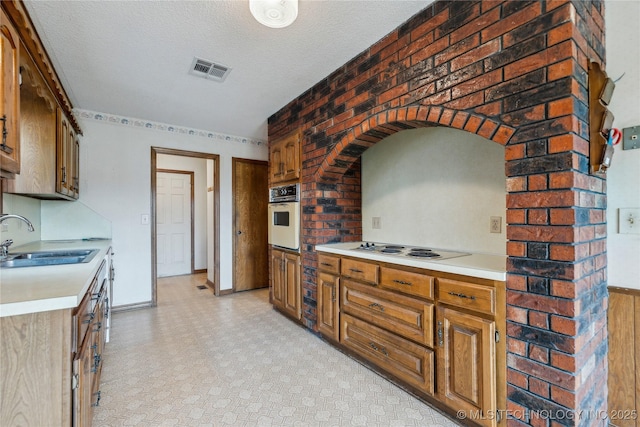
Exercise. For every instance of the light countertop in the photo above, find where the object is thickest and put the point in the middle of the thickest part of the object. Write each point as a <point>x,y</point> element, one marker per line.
<point>44,288</point>
<point>485,266</point>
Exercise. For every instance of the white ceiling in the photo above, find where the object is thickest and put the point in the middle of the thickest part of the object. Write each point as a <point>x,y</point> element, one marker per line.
<point>131,58</point>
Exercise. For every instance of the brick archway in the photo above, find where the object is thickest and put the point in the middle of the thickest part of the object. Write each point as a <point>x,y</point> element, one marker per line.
<point>515,72</point>
<point>373,129</point>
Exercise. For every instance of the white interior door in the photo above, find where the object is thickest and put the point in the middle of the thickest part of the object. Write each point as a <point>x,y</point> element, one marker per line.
<point>173,220</point>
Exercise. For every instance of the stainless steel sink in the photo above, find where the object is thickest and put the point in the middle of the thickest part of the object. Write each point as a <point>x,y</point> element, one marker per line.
<point>34,259</point>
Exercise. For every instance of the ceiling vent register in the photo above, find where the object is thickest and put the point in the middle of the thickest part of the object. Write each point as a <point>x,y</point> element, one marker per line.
<point>209,70</point>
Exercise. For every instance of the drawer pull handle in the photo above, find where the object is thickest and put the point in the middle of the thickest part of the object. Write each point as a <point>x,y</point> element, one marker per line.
<point>326,264</point>
<point>440,335</point>
<point>355,270</point>
<point>381,349</point>
<point>376,305</point>
<point>455,294</point>
<point>98,400</point>
<point>90,318</point>
<point>402,282</point>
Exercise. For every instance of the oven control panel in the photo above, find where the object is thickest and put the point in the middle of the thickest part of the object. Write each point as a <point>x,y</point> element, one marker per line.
<point>284,193</point>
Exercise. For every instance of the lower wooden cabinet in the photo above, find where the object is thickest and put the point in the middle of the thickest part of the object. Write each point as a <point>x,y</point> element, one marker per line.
<point>51,361</point>
<point>435,332</point>
<point>285,282</point>
<point>328,307</point>
<point>466,363</point>
<point>402,358</point>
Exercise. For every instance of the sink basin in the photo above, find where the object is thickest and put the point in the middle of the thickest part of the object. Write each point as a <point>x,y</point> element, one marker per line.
<point>34,259</point>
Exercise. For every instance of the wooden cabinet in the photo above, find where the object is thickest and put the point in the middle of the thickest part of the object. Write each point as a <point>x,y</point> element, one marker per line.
<point>436,332</point>
<point>90,320</point>
<point>285,282</point>
<point>466,363</point>
<point>52,360</point>
<point>328,294</point>
<point>9,92</point>
<point>284,159</point>
<point>67,158</point>
<point>408,361</point>
<point>39,154</point>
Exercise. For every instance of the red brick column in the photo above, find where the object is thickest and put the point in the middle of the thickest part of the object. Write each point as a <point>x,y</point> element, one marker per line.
<point>514,72</point>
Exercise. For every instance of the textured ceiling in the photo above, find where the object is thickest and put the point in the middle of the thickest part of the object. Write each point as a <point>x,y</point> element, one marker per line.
<point>132,58</point>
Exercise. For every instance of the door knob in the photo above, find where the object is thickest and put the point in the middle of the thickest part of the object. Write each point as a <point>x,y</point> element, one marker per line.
<point>239,232</point>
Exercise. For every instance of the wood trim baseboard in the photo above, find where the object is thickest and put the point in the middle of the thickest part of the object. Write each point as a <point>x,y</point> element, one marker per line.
<point>203,270</point>
<point>129,307</point>
<point>224,292</point>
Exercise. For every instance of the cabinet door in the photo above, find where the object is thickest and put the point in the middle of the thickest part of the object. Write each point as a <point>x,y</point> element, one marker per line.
<point>277,278</point>
<point>284,158</point>
<point>291,152</point>
<point>83,384</point>
<point>328,310</point>
<point>276,162</point>
<point>73,162</point>
<point>10,93</point>
<point>466,363</point>
<point>292,284</point>
<point>63,145</point>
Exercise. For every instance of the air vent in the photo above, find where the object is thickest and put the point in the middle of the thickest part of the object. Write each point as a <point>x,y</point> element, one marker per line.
<point>209,70</point>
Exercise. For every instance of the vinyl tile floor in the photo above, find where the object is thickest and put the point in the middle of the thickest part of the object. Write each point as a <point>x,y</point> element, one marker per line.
<point>201,360</point>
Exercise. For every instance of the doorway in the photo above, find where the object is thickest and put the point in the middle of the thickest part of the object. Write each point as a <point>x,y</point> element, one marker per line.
<point>175,222</point>
<point>211,221</point>
<point>250,236</point>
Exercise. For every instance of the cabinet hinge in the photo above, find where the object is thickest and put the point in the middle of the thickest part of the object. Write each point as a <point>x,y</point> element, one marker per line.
<point>497,336</point>
<point>74,382</point>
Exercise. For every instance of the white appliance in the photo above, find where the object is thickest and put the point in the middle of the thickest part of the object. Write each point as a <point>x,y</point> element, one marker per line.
<point>284,216</point>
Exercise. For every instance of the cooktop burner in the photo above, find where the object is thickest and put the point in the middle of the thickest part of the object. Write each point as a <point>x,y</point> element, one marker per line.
<point>409,251</point>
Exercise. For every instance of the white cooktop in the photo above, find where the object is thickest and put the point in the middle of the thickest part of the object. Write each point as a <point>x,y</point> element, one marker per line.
<point>485,266</point>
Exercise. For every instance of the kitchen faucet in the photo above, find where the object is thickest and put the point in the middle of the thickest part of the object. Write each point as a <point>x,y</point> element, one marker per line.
<point>4,246</point>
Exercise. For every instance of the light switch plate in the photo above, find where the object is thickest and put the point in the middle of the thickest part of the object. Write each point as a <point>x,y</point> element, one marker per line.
<point>629,221</point>
<point>376,222</point>
<point>631,138</point>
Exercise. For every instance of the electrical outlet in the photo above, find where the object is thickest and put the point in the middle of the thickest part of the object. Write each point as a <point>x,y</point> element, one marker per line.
<point>376,222</point>
<point>144,219</point>
<point>629,221</point>
<point>495,224</point>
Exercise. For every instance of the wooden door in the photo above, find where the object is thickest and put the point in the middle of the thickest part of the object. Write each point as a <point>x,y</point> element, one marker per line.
<point>174,195</point>
<point>250,245</point>
<point>328,313</point>
<point>276,162</point>
<point>10,95</point>
<point>466,363</point>
<point>83,384</point>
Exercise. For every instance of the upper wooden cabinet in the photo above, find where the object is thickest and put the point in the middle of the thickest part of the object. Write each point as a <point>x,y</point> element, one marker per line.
<point>9,90</point>
<point>284,159</point>
<point>37,115</point>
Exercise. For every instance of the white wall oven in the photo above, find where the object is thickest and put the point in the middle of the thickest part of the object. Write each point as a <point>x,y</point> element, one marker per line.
<point>284,216</point>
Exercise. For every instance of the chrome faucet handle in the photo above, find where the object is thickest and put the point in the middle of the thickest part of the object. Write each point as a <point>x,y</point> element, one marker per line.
<point>4,248</point>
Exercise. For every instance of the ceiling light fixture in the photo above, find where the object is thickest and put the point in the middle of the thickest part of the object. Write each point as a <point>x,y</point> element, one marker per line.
<point>274,13</point>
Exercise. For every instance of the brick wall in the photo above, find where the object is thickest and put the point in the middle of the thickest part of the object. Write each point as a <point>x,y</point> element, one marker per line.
<point>514,72</point>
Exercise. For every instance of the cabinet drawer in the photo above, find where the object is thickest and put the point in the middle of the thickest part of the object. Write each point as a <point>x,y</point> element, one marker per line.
<point>405,360</point>
<point>407,282</point>
<point>406,316</point>
<point>360,270</point>
<point>83,316</point>
<point>330,264</point>
<point>467,295</point>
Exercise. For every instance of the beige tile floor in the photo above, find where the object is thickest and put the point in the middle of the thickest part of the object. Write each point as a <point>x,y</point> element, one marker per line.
<point>201,360</point>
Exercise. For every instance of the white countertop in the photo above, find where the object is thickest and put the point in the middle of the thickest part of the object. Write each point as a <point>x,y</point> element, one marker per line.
<point>485,266</point>
<point>44,288</point>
